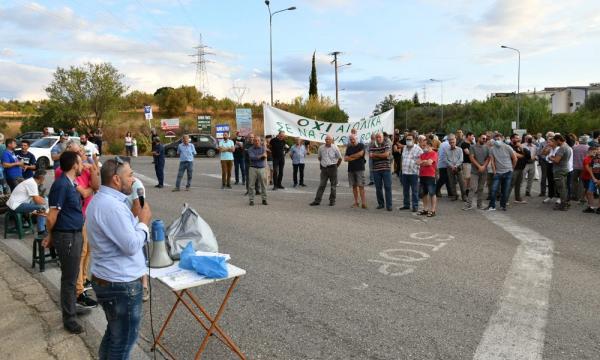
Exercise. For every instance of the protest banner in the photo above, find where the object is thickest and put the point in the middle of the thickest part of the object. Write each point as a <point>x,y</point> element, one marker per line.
<point>315,130</point>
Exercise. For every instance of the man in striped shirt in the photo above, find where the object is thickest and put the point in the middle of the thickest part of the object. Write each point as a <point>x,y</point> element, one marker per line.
<point>380,152</point>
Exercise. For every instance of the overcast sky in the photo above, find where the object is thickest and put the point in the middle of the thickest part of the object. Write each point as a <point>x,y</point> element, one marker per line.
<point>395,47</point>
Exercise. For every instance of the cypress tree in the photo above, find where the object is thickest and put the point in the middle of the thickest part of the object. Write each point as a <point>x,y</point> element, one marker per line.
<point>312,89</point>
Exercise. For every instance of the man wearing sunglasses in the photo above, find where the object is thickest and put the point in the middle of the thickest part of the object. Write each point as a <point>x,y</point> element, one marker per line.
<point>117,239</point>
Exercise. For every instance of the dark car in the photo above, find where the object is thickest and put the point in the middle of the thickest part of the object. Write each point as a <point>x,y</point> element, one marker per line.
<point>205,145</point>
<point>30,135</point>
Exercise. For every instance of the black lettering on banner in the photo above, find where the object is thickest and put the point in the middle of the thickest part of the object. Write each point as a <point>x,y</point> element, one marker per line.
<point>329,127</point>
<point>303,122</point>
<point>279,126</point>
<point>318,125</point>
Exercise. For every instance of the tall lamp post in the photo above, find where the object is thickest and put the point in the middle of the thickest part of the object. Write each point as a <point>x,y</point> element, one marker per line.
<point>336,80</point>
<point>271,14</point>
<point>442,102</point>
<point>518,82</point>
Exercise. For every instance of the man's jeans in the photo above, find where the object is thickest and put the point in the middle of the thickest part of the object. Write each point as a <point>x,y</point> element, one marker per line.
<point>27,208</point>
<point>503,181</point>
<point>543,178</point>
<point>185,166</point>
<point>122,305</point>
<point>411,190</point>
<point>371,178</point>
<point>239,165</point>
<point>561,186</point>
<point>257,176</point>
<point>530,171</point>
<point>68,246</point>
<point>278,164</point>
<point>516,183</point>
<point>327,173</point>
<point>578,189</point>
<point>159,169</point>
<point>383,179</point>
<point>298,167</point>
<point>476,185</point>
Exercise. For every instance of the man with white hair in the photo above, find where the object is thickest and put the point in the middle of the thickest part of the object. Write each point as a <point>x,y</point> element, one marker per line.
<point>330,159</point>
<point>546,177</point>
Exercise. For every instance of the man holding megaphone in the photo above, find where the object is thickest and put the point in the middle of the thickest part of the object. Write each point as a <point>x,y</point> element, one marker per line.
<point>117,239</point>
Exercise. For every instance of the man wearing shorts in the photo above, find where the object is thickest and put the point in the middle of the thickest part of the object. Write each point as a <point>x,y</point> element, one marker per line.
<point>427,164</point>
<point>355,156</point>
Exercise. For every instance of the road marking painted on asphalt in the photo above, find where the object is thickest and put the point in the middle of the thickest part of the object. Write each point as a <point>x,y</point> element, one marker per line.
<point>398,261</point>
<point>148,179</point>
<point>516,330</point>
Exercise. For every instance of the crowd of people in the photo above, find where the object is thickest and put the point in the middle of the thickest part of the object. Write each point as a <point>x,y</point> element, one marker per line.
<point>486,167</point>
<point>92,214</point>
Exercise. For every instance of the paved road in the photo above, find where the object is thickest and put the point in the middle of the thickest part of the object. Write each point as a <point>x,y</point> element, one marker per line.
<point>342,283</point>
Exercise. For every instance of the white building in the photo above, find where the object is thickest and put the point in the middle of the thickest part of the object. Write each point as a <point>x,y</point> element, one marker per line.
<point>567,99</point>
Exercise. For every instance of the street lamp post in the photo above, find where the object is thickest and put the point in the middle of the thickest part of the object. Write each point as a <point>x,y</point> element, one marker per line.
<point>336,81</point>
<point>518,82</point>
<point>442,103</point>
<point>267,2</point>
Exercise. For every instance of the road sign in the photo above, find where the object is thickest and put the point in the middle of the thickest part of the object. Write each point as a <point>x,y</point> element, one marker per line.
<point>204,124</point>
<point>243,119</point>
<point>169,124</point>
<point>220,129</point>
<point>148,112</point>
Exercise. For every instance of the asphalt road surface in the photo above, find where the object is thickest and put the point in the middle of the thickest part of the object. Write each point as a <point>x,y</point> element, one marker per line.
<point>340,283</point>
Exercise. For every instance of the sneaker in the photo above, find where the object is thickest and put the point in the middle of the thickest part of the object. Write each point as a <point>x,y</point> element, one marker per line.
<point>251,203</point>
<point>589,210</point>
<point>371,183</point>
<point>558,201</point>
<point>547,200</point>
<point>314,203</point>
<point>264,202</point>
<point>542,195</point>
<point>175,189</point>
<point>281,187</point>
<point>85,301</point>
<point>332,203</point>
<point>87,285</point>
<point>404,208</point>
<point>528,194</point>
<point>491,209</point>
<point>520,202</point>
<point>303,185</point>
<point>468,207</point>
<point>379,207</point>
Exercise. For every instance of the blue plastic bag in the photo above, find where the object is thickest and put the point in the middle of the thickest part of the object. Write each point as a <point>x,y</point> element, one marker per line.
<point>210,266</point>
<point>185,259</point>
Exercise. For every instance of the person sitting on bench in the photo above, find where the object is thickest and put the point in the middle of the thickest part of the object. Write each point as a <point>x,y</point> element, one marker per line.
<point>26,199</point>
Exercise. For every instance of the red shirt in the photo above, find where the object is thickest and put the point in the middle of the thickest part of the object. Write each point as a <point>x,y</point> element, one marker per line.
<point>428,170</point>
<point>584,174</point>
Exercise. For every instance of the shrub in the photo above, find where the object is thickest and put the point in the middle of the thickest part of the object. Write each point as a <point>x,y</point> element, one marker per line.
<point>116,147</point>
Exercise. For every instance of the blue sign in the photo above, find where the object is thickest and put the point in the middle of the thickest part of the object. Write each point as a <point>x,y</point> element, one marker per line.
<point>148,112</point>
<point>220,129</point>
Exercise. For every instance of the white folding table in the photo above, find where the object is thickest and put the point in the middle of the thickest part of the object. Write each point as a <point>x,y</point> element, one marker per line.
<point>180,281</point>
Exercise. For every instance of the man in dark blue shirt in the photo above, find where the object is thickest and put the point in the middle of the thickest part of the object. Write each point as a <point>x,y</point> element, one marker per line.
<point>27,158</point>
<point>13,167</point>
<point>65,221</point>
<point>158,153</point>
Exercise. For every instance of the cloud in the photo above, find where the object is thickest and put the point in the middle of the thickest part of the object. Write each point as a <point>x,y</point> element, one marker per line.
<point>37,17</point>
<point>533,26</point>
<point>298,67</point>
<point>6,52</point>
<point>377,84</point>
<point>401,57</point>
<point>23,82</point>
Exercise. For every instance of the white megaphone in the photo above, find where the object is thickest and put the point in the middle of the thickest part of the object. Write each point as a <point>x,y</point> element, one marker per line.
<point>159,258</point>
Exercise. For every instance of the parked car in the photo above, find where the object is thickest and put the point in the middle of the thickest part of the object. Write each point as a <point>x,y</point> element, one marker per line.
<point>41,150</point>
<point>205,145</point>
<point>30,135</point>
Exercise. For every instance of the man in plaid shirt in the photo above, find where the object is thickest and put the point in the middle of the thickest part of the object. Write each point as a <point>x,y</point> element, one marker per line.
<point>410,173</point>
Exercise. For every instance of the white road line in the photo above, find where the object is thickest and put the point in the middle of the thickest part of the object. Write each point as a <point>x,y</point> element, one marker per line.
<point>516,330</point>
<point>148,179</point>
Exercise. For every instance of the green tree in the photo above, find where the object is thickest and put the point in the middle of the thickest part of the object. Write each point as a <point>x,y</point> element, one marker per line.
<point>89,93</point>
<point>172,102</point>
<point>137,99</point>
<point>415,99</point>
<point>388,103</point>
<point>312,87</point>
<point>592,103</point>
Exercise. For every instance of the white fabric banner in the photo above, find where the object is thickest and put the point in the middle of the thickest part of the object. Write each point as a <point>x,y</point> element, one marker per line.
<point>314,130</point>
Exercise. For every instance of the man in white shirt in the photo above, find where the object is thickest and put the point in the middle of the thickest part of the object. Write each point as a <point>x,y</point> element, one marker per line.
<point>91,149</point>
<point>26,199</point>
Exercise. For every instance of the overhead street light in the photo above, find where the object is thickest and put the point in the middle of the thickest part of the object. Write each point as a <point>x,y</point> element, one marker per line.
<point>271,14</point>
<point>518,82</point>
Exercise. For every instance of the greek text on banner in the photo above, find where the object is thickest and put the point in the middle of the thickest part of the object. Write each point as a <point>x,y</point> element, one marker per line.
<point>314,130</point>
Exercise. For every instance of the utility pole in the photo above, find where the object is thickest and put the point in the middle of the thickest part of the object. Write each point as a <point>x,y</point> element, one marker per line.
<point>334,62</point>
<point>201,80</point>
